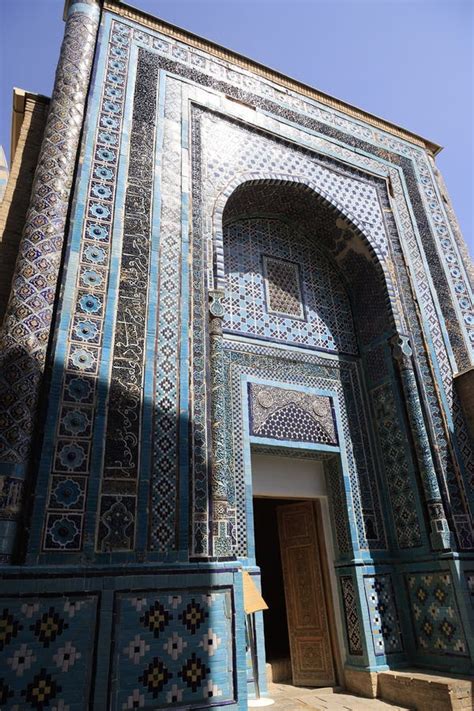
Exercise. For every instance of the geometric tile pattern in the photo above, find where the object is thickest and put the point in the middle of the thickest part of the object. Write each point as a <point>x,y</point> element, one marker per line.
<point>164,475</point>
<point>200,523</point>
<point>470,585</point>
<point>29,314</point>
<point>311,371</point>
<point>436,620</point>
<point>291,422</point>
<point>71,465</point>
<point>46,651</point>
<point>353,626</point>
<point>376,365</point>
<point>446,245</point>
<point>244,149</point>
<point>383,614</point>
<point>306,111</point>
<point>290,415</point>
<point>282,287</point>
<point>173,650</point>
<point>124,447</point>
<point>411,250</point>
<point>26,330</point>
<point>164,496</point>
<point>242,152</point>
<point>457,488</point>
<point>215,167</point>
<point>357,205</point>
<point>213,71</point>
<point>397,467</point>
<point>263,292</point>
<point>337,503</point>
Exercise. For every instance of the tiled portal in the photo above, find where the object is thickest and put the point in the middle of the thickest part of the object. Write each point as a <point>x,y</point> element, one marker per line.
<point>238,266</point>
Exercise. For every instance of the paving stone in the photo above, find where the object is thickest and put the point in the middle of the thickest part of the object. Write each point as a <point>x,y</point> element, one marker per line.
<point>289,697</point>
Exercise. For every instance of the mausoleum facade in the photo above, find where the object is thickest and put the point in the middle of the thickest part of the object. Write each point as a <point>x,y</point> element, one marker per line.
<point>238,338</point>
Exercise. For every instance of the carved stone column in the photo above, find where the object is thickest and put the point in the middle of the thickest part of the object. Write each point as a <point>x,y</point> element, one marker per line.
<point>26,329</point>
<point>440,536</point>
<point>220,469</point>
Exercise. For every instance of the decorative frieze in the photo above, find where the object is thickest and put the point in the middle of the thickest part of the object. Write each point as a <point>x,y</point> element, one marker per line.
<point>436,620</point>
<point>295,415</point>
<point>26,328</point>
<point>441,537</point>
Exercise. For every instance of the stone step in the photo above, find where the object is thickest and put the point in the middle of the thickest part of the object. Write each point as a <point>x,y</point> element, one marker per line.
<point>426,692</point>
<point>408,689</point>
<point>292,698</point>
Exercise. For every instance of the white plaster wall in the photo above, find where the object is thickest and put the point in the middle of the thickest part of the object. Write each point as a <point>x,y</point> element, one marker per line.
<point>286,477</point>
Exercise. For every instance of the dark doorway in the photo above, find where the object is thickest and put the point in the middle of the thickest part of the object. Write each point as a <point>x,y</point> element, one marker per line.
<point>290,551</point>
<point>267,553</point>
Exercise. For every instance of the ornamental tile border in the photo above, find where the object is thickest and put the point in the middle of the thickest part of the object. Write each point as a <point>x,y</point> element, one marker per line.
<point>74,520</point>
<point>221,71</point>
<point>435,614</point>
<point>165,646</point>
<point>383,615</point>
<point>63,532</point>
<point>353,622</point>
<point>46,650</point>
<point>315,372</point>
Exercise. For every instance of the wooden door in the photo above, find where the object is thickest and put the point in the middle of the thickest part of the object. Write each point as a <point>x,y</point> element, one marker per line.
<point>310,644</point>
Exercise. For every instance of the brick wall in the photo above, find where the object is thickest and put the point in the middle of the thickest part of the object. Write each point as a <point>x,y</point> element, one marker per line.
<point>17,194</point>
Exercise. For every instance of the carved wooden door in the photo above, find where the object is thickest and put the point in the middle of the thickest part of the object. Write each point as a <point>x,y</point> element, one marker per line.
<point>310,644</point>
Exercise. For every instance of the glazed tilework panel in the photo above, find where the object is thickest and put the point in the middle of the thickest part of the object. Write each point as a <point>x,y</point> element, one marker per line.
<point>410,252</point>
<point>123,446</point>
<point>436,621</point>
<point>30,311</point>
<point>228,145</point>
<point>282,287</point>
<point>71,465</point>
<point>337,503</point>
<point>470,586</point>
<point>46,648</point>
<point>69,487</point>
<point>452,464</point>
<point>349,132</point>
<point>173,650</point>
<point>371,316</point>
<point>162,535</point>
<point>200,544</point>
<point>291,415</point>
<point>459,490</point>
<point>242,151</point>
<point>308,371</point>
<point>120,292</point>
<point>353,624</point>
<point>398,467</point>
<point>383,615</point>
<point>264,294</point>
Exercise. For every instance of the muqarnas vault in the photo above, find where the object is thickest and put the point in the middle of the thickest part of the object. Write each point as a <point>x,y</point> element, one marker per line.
<point>238,338</point>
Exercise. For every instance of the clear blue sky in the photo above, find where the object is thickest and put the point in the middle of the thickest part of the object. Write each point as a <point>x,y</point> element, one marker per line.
<point>410,61</point>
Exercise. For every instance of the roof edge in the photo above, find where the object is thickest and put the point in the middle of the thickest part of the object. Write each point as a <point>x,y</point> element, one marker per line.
<point>183,35</point>
<point>19,99</point>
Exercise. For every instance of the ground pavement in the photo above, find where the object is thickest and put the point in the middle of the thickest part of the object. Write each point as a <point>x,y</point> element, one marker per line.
<point>292,698</point>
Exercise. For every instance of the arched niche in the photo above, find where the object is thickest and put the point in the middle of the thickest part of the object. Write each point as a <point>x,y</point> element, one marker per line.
<point>247,216</point>
<point>324,229</point>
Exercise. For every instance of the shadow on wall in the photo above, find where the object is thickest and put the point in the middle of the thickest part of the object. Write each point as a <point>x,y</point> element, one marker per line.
<point>17,196</point>
<point>130,627</point>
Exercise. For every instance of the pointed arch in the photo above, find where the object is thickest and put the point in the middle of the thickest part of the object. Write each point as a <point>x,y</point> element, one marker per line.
<point>348,222</point>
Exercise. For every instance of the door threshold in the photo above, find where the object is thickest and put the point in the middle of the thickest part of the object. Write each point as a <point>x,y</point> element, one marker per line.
<point>256,703</point>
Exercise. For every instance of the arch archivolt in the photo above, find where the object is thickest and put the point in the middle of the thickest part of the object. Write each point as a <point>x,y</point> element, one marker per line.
<point>351,209</point>
<point>345,221</point>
